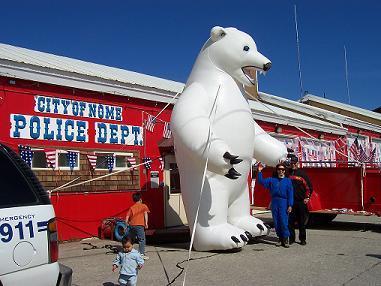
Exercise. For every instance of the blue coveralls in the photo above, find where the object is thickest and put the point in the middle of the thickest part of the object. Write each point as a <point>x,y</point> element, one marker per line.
<point>282,196</point>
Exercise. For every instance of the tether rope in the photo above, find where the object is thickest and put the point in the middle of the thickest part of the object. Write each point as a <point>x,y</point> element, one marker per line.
<point>210,132</point>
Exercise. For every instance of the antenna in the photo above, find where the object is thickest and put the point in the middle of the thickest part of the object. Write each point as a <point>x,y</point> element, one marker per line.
<point>298,49</point>
<point>346,74</point>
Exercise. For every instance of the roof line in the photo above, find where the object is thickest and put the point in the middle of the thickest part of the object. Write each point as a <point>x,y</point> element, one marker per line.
<point>317,112</point>
<point>341,105</point>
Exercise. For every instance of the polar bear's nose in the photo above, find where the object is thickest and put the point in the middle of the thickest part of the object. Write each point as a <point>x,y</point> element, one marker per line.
<point>267,66</point>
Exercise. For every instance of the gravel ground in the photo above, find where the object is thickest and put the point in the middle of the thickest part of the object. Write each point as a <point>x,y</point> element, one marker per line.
<point>344,252</point>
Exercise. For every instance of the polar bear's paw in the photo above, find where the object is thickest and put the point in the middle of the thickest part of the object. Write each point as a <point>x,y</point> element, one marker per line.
<point>252,226</point>
<point>220,237</point>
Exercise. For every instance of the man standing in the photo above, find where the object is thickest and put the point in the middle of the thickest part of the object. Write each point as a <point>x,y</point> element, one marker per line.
<point>137,218</point>
<point>302,194</point>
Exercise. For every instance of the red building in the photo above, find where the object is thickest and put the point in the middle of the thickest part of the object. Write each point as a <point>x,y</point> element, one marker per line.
<point>82,121</point>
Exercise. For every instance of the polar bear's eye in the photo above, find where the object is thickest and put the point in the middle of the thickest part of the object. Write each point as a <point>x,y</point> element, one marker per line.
<point>246,48</point>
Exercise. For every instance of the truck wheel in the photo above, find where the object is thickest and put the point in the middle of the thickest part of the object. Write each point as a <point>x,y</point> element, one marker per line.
<point>319,218</point>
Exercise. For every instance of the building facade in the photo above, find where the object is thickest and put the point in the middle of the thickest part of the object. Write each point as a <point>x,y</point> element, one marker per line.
<point>84,126</point>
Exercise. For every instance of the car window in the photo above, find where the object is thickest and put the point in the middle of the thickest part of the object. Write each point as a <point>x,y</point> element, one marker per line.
<point>14,190</point>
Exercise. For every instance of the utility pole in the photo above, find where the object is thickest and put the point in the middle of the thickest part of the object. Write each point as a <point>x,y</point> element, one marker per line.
<point>346,74</point>
<point>298,51</point>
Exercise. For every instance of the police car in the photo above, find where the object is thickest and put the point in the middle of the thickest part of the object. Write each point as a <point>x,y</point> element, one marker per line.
<point>28,234</point>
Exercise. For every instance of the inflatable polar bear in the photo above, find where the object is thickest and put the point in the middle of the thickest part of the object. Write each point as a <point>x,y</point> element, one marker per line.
<point>213,121</point>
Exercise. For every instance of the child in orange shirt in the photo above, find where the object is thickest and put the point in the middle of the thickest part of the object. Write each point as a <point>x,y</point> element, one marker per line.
<point>137,218</point>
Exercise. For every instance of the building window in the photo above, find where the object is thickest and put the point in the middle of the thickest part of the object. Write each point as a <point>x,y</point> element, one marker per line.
<point>120,160</point>
<point>63,161</point>
<point>39,160</point>
<point>101,162</point>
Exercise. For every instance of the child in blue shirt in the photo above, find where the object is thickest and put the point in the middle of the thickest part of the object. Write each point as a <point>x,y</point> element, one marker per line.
<point>129,261</point>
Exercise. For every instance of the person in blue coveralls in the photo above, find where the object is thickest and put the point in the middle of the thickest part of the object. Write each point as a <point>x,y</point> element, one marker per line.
<point>282,199</point>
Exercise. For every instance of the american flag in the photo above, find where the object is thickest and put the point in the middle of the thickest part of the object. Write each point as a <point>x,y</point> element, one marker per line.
<point>72,158</point>
<point>341,143</point>
<point>147,162</point>
<point>50,157</point>
<point>26,154</point>
<point>92,158</point>
<point>354,149</point>
<point>167,133</point>
<point>150,124</point>
<point>161,163</point>
<point>110,162</point>
<point>372,156</point>
<point>131,162</point>
<point>362,155</point>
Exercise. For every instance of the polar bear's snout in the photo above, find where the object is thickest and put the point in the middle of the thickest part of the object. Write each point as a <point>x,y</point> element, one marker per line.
<point>267,66</point>
<point>259,61</point>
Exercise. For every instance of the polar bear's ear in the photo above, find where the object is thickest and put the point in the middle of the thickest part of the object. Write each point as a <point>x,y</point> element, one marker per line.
<point>217,33</point>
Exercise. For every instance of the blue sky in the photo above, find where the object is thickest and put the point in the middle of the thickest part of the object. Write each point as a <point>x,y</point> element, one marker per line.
<point>163,38</point>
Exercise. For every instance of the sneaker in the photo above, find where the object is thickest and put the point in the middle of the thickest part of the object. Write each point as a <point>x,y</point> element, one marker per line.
<point>145,257</point>
<point>279,243</point>
<point>292,241</point>
<point>303,242</point>
<point>286,244</point>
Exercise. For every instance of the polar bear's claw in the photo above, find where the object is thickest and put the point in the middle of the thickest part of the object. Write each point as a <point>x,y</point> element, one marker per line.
<point>232,174</point>
<point>260,226</point>
<point>232,158</point>
<point>244,238</point>
<point>229,156</point>
<point>231,177</point>
<point>248,234</point>
<point>235,161</point>
<point>236,240</point>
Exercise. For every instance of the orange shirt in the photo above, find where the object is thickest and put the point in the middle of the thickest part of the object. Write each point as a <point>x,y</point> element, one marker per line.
<point>136,214</point>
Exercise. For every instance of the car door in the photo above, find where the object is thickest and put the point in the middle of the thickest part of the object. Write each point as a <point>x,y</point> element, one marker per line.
<point>25,212</point>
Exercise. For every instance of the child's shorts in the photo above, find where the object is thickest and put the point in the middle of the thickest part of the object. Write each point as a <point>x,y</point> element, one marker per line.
<point>127,280</point>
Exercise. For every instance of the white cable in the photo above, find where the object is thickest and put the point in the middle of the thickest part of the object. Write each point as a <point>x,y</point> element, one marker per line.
<point>170,102</point>
<point>210,132</point>
<point>64,185</point>
<point>104,176</point>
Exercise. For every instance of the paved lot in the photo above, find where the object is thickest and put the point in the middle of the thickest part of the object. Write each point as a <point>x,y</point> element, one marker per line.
<point>345,252</point>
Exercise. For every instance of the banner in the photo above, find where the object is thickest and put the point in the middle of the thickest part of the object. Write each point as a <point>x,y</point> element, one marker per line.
<point>318,153</point>
<point>60,128</point>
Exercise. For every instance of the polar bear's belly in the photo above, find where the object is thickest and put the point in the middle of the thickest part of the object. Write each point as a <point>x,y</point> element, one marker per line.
<point>236,127</point>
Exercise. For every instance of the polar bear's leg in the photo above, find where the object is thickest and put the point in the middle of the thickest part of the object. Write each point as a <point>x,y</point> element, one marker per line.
<point>239,215</point>
<point>213,232</point>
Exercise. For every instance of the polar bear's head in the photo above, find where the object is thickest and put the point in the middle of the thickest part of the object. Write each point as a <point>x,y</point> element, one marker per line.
<point>235,52</point>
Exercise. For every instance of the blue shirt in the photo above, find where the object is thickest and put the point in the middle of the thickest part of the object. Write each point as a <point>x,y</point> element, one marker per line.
<point>128,262</point>
<point>279,188</point>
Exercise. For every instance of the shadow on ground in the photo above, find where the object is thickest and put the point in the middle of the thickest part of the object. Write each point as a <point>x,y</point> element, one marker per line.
<point>374,255</point>
<point>349,226</point>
